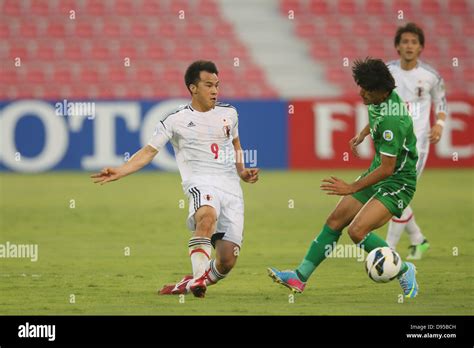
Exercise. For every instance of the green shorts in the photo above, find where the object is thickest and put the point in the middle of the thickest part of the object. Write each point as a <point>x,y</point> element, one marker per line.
<point>394,194</point>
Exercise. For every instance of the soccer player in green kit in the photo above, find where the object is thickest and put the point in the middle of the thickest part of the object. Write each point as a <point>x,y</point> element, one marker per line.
<point>383,191</point>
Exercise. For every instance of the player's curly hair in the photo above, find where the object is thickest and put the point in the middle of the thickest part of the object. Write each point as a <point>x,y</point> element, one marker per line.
<point>373,75</point>
<point>409,28</point>
<point>191,77</point>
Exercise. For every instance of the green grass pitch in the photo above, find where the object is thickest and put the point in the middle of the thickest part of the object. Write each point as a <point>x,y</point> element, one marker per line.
<point>82,249</point>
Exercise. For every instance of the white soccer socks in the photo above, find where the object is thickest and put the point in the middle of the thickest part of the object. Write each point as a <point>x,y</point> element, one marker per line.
<point>213,275</point>
<point>414,232</point>
<point>200,253</point>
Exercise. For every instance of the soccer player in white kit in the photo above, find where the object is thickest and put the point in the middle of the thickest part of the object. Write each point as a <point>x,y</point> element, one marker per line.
<point>205,139</point>
<point>419,85</point>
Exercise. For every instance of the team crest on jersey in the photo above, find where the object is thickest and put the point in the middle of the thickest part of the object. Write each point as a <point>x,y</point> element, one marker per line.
<point>388,135</point>
<point>208,197</point>
<point>226,129</point>
<point>419,91</point>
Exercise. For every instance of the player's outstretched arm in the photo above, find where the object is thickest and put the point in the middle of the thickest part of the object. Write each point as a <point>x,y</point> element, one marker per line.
<point>336,186</point>
<point>140,159</point>
<point>246,174</point>
<point>359,138</point>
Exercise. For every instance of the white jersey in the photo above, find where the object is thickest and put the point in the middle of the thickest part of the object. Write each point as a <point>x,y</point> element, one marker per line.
<point>419,87</point>
<point>202,143</point>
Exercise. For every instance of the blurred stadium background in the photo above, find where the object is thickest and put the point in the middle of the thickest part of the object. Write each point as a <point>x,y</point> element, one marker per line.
<point>285,65</point>
<point>271,55</point>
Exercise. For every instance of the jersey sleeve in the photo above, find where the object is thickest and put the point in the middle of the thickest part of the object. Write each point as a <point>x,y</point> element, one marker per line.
<point>162,134</point>
<point>235,127</point>
<point>438,95</point>
<point>391,136</point>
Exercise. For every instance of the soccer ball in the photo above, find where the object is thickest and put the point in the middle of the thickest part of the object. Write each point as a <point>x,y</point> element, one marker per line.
<point>383,264</point>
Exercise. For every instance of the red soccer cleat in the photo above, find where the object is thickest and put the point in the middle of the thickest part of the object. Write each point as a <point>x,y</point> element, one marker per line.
<point>178,288</point>
<point>198,288</point>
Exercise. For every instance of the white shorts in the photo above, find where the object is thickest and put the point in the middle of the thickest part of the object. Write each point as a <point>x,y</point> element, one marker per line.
<point>229,209</point>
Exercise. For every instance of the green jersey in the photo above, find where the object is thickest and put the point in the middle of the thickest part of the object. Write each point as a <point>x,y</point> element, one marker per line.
<point>391,128</point>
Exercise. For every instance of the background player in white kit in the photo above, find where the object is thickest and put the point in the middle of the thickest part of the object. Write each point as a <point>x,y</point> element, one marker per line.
<point>203,134</point>
<point>419,85</point>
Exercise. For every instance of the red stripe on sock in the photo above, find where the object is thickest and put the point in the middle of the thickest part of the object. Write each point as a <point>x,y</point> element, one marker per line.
<point>198,250</point>
<point>402,221</point>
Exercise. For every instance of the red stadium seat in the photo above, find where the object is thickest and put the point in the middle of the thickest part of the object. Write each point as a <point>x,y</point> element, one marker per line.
<point>457,7</point>
<point>10,76</point>
<point>112,28</point>
<point>347,7</point>
<point>431,7</point>
<point>5,31</point>
<point>443,29</point>
<point>207,8</point>
<point>29,29</point>
<point>305,29</point>
<point>124,7</point>
<point>117,73</point>
<point>375,7</point>
<point>74,50</point>
<point>90,75</point>
<point>35,75</point>
<point>63,75</point>
<point>100,50</point>
<point>145,75</point>
<point>46,50</point>
<point>11,8</point>
<point>18,49</point>
<point>83,29</point>
<point>95,7</point>
<point>141,29</point>
<point>319,7</point>
<point>65,6</point>
<point>56,30</point>
<point>152,8</point>
<point>40,8</point>
<point>194,30</point>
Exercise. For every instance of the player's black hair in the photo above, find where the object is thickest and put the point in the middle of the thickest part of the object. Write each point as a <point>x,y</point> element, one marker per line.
<point>373,75</point>
<point>410,28</point>
<point>191,77</point>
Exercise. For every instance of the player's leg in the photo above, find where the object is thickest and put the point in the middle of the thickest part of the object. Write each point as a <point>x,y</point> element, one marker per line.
<point>204,210</point>
<point>408,223</point>
<point>342,215</point>
<point>226,257</point>
<point>373,215</point>
<point>321,246</point>
<point>200,243</point>
<point>228,237</point>
<point>418,242</point>
<point>396,227</point>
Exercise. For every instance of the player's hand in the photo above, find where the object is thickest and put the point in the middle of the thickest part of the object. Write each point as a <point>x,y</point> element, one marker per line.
<point>435,133</point>
<point>336,186</point>
<point>106,175</point>
<point>249,175</point>
<point>354,142</point>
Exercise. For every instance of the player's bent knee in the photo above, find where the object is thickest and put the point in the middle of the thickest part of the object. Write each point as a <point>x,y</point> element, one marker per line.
<point>356,232</point>
<point>335,222</point>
